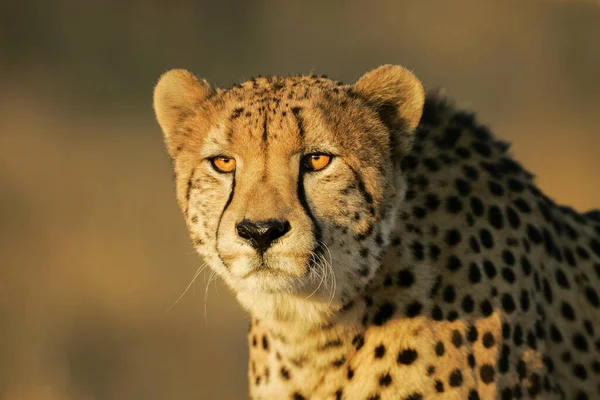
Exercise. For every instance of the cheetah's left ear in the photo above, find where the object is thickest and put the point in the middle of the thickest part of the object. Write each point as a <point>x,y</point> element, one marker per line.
<point>396,93</point>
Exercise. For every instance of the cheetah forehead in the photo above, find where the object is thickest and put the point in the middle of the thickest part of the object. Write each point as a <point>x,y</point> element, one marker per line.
<point>187,107</point>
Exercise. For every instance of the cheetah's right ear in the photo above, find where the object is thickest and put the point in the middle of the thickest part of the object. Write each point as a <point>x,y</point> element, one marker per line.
<point>177,96</point>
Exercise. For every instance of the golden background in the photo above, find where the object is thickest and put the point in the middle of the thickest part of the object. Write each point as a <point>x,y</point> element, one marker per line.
<point>93,249</point>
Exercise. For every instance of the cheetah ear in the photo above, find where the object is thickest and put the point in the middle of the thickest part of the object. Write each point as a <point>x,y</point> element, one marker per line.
<point>177,97</point>
<point>396,93</point>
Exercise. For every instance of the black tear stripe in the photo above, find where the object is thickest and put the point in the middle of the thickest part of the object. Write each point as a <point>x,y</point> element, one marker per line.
<point>299,121</point>
<point>221,217</point>
<point>317,232</point>
<point>188,192</point>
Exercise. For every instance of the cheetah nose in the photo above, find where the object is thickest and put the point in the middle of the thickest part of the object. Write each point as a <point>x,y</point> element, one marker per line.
<point>262,234</point>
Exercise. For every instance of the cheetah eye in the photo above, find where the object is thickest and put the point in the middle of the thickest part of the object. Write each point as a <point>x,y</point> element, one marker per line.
<point>316,161</point>
<point>223,164</point>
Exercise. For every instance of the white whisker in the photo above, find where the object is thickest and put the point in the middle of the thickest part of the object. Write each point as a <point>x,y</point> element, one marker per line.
<point>198,271</point>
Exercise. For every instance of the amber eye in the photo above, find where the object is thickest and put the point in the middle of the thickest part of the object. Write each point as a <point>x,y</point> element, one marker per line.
<point>316,161</point>
<point>223,164</point>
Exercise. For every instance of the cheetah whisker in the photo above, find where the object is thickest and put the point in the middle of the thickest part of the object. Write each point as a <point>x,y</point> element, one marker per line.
<point>198,272</point>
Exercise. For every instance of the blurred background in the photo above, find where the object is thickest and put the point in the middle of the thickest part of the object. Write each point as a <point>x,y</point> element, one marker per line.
<point>93,250</point>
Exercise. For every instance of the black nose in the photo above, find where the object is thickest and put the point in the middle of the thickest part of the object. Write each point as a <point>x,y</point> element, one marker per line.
<point>262,234</point>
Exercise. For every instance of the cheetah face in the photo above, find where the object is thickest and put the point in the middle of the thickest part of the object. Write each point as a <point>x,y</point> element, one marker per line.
<point>288,185</point>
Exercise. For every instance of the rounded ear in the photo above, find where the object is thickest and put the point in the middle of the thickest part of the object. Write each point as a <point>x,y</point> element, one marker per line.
<point>396,93</point>
<point>177,96</point>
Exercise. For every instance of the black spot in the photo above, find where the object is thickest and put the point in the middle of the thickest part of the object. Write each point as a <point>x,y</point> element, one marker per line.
<point>468,305</point>
<point>579,371</point>
<point>298,396</point>
<point>561,279</point>
<point>526,266</point>
<point>534,234</point>
<point>488,340</point>
<point>473,395</point>
<point>405,278</point>
<point>457,339</point>
<point>471,172</point>
<point>419,212</point>
<point>339,362</point>
<point>436,313</point>
<point>463,152</point>
<point>508,275</point>
<point>472,334</point>
<point>508,303</point>
<point>265,343</point>
<point>434,252</point>
<point>454,263</point>
<point>455,379</point>
<point>495,188</point>
<point>524,300</point>
<point>522,205</point>
<point>454,205</point>
<point>474,273</point>
<point>595,246</point>
<point>508,257</point>
<point>379,351</point>
<point>407,357</point>
<point>513,218</point>
<point>503,363</point>
<point>432,164</point>
<point>439,386</point>
<point>418,250</point>
<point>515,185</point>
<point>592,296</point>
<point>463,187</point>
<point>486,238</point>
<point>414,396</point>
<point>486,308</point>
<point>439,349</point>
<point>487,372</point>
<point>413,309</point>
<point>453,237</point>
<point>385,312</point>
<point>358,341</point>
<point>449,294</point>
<point>580,342</point>
<point>518,335</point>
<point>432,201</point>
<point>471,360</point>
<point>547,290</point>
<point>495,217</point>
<point>477,206</point>
<point>490,269</point>
<point>449,138</point>
<point>482,148</point>
<point>474,244</point>
<point>385,380</point>
<point>555,334</point>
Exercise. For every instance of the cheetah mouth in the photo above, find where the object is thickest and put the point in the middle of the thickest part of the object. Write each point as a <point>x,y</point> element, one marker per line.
<point>293,275</point>
<point>265,270</point>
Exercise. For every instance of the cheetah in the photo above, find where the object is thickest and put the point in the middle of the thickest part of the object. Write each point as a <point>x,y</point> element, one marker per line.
<point>384,242</point>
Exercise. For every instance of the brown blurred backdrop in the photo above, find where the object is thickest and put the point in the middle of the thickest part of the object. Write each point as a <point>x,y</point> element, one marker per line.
<point>92,247</point>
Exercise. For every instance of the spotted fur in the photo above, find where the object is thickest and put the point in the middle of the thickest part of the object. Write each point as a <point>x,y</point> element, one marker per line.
<point>422,263</point>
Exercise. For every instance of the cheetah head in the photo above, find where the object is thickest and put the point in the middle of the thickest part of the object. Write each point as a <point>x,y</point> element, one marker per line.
<point>289,185</point>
